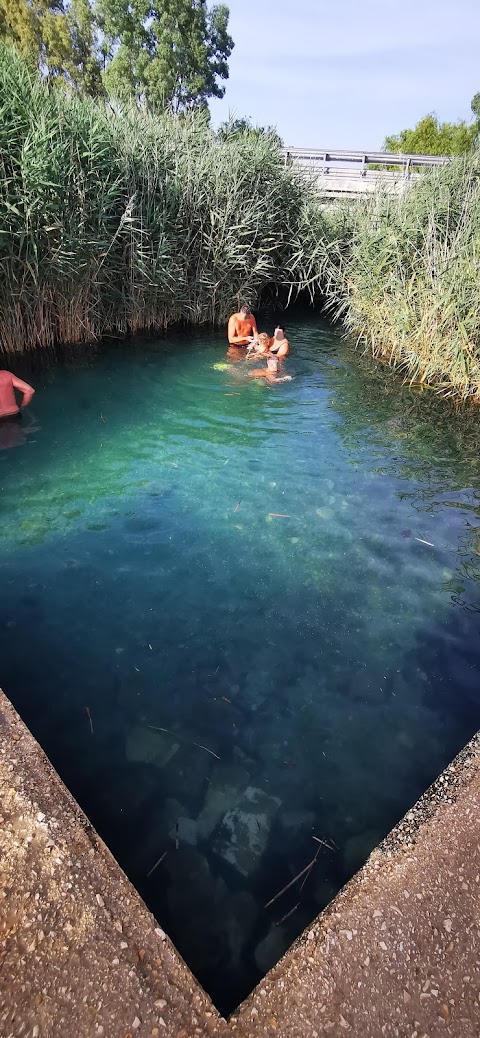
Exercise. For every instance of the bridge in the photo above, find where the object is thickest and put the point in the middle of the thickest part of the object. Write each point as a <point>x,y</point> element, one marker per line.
<point>348,174</point>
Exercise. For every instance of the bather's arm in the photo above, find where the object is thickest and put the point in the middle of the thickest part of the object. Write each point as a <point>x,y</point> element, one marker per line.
<point>24,388</point>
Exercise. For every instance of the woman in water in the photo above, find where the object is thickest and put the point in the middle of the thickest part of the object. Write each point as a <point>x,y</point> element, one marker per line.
<point>279,345</point>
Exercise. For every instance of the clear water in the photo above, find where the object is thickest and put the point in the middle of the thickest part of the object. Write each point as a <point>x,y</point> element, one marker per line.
<point>326,654</point>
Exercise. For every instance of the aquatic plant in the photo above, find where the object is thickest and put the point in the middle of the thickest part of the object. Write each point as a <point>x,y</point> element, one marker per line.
<point>116,220</point>
<point>406,279</point>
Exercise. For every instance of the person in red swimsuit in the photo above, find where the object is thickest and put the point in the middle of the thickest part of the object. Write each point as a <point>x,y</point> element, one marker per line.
<point>8,404</point>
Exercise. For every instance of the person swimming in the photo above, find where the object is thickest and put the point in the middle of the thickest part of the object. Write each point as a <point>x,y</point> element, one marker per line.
<point>270,372</point>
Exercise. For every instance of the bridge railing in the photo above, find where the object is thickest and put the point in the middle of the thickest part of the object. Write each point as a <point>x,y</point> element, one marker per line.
<point>357,163</point>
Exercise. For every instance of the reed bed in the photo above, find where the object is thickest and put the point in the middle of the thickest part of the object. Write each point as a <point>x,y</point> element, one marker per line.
<point>114,220</point>
<point>405,279</point>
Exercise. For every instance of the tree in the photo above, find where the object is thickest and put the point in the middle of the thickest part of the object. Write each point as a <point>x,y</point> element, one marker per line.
<point>58,38</point>
<point>475,106</point>
<point>166,52</point>
<point>236,127</point>
<point>430,137</point>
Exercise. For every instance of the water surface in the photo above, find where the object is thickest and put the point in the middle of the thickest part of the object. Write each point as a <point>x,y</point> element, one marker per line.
<point>285,577</point>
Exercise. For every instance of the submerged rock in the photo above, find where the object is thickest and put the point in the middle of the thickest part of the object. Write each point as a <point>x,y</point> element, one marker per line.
<point>325,512</point>
<point>227,783</point>
<point>185,777</point>
<point>187,831</point>
<point>244,832</point>
<point>150,747</point>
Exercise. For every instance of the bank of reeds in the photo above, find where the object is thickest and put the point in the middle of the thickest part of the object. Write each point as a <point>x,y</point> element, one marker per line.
<point>120,221</point>
<point>114,220</point>
<point>406,281</point>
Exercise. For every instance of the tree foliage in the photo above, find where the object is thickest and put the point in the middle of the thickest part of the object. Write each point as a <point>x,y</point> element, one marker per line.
<point>475,106</point>
<point>167,52</point>
<point>243,127</point>
<point>431,137</point>
<point>57,38</point>
<point>162,53</point>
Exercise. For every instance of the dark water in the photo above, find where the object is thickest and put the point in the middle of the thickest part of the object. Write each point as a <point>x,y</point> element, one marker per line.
<point>326,654</point>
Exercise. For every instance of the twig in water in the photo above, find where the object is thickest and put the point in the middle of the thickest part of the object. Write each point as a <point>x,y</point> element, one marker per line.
<point>430,545</point>
<point>101,416</point>
<point>292,881</point>
<point>323,842</point>
<point>87,711</point>
<point>190,742</point>
<point>157,863</point>
<point>279,515</point>
<point>310,869</point>
<point>287,915</point>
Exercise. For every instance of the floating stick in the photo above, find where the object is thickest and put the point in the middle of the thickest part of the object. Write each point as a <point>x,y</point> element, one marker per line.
<point>190,742</point>
<point>430,545</point>
<point>323,843</point>
<point>309,871</point>
<point>87,711</point>
<point>287,915</point>
<point>292,881</point>
<point>157,863</point>
<point>279,515</point>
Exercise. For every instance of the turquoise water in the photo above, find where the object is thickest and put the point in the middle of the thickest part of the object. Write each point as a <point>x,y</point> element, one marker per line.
<point>244,565</point>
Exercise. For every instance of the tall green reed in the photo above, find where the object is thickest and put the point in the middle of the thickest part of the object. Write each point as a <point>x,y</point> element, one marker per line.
<point>406,278</point>
<point>119,220</point>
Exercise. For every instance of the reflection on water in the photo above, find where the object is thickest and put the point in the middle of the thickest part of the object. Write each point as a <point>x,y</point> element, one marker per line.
<point>267,597</point>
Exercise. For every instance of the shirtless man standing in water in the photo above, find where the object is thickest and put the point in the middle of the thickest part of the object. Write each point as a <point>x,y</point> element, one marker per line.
<point>9,408</point>
<point>242,327</point>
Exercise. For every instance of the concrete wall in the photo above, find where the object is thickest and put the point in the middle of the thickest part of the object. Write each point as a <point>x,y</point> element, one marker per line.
<point>396,953</point>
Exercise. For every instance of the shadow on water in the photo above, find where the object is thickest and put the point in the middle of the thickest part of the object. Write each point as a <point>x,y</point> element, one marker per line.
<point>286,579</point>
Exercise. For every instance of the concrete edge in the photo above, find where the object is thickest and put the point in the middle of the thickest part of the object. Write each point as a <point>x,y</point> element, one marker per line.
<point>124,976</point>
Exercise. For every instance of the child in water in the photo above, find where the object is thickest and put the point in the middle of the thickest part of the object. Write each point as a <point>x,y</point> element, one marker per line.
<point>270,372</point>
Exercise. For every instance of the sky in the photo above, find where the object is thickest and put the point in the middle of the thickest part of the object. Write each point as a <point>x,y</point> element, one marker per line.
<point>345,73</point>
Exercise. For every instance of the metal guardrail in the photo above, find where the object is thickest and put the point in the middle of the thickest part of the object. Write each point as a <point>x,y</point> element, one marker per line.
<point>356,163</point>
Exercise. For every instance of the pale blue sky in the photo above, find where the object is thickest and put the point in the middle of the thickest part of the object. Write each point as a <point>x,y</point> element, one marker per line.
<point>344,73</point>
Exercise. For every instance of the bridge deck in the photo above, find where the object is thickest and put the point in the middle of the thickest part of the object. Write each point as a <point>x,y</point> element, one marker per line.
<point>348,173</point>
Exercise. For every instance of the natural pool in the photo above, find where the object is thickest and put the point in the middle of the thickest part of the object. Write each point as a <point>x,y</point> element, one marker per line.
<point>287,578</point>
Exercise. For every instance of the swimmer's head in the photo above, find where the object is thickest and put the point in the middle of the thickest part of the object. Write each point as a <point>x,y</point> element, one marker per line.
<point>272,363</point>
<point>245,310</point>
<point>280,328</point>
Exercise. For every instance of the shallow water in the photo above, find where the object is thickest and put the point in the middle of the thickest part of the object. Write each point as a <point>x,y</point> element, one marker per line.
<point>285,577</point>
